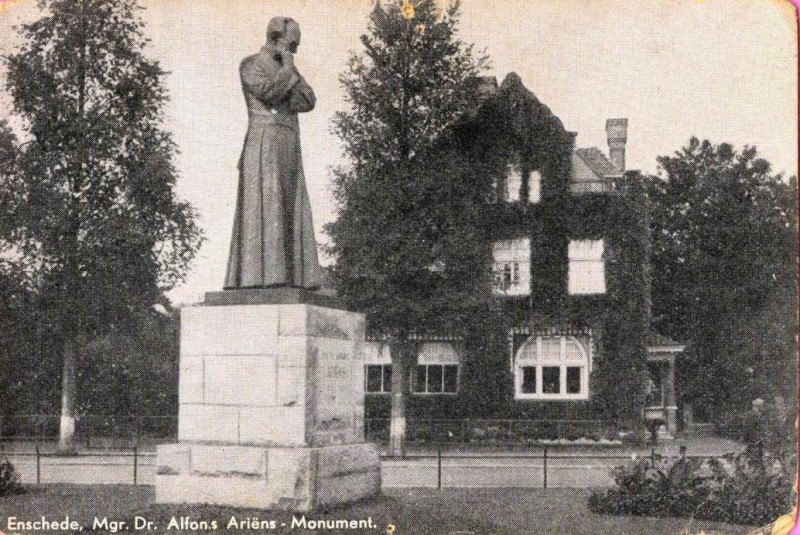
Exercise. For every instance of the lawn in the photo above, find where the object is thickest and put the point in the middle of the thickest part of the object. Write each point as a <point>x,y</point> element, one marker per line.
<point>411,511</point>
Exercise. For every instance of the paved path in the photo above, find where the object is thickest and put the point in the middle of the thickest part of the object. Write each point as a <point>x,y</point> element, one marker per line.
<point>499,472</point>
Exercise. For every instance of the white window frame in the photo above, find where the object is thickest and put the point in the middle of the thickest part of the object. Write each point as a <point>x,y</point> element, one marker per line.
<point>511,257</point>
<point>522,361</point>
<point>385,389</point>
<point>427,367</point>
<point>436,354</point>
<point>376,353</point>
<point>581,263</point>
<point>513,183</point>
<point>534,186</point>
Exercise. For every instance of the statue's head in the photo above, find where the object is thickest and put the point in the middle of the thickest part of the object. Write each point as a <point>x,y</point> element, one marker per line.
<point>284,33</point>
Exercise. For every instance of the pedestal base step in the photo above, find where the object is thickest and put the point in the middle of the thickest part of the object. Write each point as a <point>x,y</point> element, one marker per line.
<point>294,479</point>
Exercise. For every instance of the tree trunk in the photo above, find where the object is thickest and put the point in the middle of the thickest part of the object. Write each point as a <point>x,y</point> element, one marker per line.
<point>67,426</point>
<point>401,358</point>
<point>72,341</point>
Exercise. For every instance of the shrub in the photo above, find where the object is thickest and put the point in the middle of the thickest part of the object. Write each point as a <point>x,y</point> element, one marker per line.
<point>728,489</point>
<point>9,479</point>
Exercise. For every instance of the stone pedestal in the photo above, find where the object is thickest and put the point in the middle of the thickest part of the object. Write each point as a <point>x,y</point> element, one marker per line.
<point>271,407</point>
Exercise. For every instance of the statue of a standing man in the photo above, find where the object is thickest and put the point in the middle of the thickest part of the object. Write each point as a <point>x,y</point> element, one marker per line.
<point>273,238</point>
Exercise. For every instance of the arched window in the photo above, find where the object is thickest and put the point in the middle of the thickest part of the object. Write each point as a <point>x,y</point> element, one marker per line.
<point>552,367</point>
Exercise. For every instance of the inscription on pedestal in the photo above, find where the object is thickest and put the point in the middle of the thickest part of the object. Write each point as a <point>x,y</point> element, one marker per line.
<point>335,402</point>
<point>339,393</point>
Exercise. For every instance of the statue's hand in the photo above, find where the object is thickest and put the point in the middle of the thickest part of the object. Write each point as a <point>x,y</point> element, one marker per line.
<point>287,57</point>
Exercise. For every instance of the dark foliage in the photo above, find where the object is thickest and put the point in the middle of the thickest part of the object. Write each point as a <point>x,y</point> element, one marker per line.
<point>405,238</point>
<point>93,219</point>
<point>618,379</point>
<point>725,274</point>
<point>132,373</point>
<point>730,489</point>
<point>407,243</point>
<point>9,479</point>
<point>97,214</point>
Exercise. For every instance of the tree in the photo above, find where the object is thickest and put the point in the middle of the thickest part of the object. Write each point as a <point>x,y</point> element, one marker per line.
<point>724,266</point>
<point>99,224</point>
<point>407,243</point>
<point>133,372</point>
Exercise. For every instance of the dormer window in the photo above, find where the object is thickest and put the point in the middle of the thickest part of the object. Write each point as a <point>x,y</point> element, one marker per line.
<point>510,189</point>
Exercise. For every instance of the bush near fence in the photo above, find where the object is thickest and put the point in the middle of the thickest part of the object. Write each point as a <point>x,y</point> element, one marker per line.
<point>9,479</point>
<point>481,432</point>
<point>730,489</point>
<point>98,432</point>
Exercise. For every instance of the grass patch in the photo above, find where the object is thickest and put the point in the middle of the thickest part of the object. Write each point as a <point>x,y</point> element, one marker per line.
<point>411,511</point>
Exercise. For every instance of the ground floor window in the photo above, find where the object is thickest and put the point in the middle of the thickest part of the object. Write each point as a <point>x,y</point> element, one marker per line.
<point>553,367</point>
<point>378,378</point>
<point>436,379</point>
<point>435,371</point>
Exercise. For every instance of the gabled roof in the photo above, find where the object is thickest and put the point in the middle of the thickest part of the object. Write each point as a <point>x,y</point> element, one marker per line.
<point>539,134</point>
<point>582,171</point>
<point>597,161</point>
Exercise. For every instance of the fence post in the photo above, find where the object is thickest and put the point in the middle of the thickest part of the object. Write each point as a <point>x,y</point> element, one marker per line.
<point>135,463</point>
<point>652,457</point>
<point>544,457</point>
<point>38,466</point>
<point>439,466</point>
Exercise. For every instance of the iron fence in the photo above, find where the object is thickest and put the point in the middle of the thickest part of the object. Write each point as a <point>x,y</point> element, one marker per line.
<point>543,468</point>
<point>550,462</point>
<point>92,431</point>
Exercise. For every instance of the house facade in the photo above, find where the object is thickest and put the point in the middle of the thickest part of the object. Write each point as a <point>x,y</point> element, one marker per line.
<point>568,264</point>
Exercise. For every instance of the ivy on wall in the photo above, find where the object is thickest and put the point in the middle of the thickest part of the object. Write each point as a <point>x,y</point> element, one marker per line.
<point>515,128</point>
<point>619,377</point>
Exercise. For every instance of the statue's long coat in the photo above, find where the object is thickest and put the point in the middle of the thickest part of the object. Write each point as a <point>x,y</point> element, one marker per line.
<point>273,236</point>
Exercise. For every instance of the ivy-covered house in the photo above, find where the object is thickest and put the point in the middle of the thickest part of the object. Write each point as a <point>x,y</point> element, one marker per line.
<point>566,338</point>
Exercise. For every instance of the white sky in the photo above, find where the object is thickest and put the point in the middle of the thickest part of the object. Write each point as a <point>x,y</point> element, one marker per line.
<point>725,70</point>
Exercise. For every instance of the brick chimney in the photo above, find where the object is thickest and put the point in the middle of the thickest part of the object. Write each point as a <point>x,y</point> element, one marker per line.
<point>617,132</point>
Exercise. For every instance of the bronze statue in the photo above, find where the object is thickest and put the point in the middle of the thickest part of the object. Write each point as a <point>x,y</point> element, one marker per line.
<point>273,238</point>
